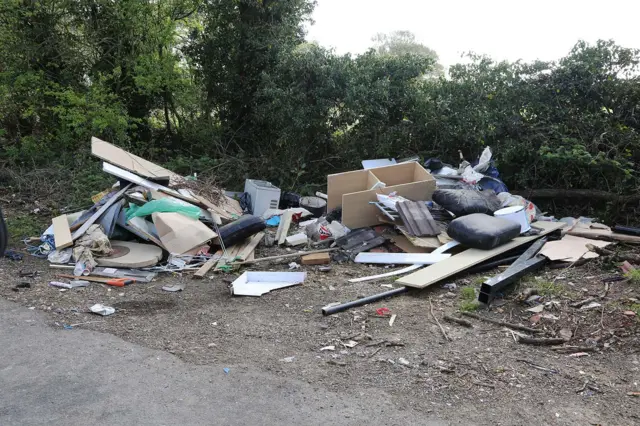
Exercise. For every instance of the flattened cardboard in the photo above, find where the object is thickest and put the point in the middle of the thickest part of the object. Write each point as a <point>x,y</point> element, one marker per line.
<point>180,233</point>
<point>570,248</point>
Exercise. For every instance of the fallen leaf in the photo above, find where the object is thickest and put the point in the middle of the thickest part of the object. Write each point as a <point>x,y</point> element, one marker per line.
<point>328,348</point>
<point>629,313</point>
<point>350,344</point>
<point>536,309</point>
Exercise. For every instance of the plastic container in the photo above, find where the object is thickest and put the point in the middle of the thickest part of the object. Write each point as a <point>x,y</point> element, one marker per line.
<point>515,214</point>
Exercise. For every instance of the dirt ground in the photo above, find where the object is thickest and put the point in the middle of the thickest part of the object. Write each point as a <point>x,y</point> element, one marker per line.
<point>481,376</point>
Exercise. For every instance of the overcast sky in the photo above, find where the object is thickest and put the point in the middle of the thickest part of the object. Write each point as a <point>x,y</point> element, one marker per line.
<point>503,29</point>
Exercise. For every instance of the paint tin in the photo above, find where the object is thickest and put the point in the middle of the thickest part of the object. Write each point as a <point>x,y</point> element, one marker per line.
<point>515,214</point>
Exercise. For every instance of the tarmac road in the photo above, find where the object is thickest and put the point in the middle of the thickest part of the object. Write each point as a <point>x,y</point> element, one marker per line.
<point>54,376</point>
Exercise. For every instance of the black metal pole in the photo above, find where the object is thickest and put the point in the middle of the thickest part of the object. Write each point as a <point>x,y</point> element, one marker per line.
<point>330,310</point>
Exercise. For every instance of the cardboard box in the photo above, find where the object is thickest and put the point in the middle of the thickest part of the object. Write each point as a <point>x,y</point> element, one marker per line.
<point>353,190</point>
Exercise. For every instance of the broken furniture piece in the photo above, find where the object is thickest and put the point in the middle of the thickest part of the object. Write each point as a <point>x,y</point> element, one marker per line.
<point>353,190</point>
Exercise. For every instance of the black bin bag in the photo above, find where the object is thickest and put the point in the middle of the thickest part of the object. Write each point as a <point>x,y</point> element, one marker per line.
<point>462,202</point>
<point>241,229</point>
<point>482,231</point>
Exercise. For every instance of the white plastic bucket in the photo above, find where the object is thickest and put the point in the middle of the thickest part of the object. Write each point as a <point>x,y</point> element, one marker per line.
<point>515,214</point>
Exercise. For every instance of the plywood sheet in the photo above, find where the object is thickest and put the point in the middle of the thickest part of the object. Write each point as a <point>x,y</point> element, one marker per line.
<point>61,232</point>
<point>128,161</point>
<point>468,258</point>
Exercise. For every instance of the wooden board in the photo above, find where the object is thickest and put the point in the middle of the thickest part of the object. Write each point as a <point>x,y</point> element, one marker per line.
<point>417,218</point>
<point>316,259</point>
<point>232,253</point>
<point>61,232</point>
<point>468,258</point>
<point>283,228</point>
<point>251,246</point>
<point>77,234</point>
<point>126,160</point>
<point>405,245</point>
<point>604,234</point>
<point>200,273</point>
<point>425,242</point>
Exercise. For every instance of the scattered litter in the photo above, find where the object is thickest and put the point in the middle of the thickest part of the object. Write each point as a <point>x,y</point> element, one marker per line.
<point>450,286</point>
<point>629,313</point>
<point>383,311</point>
<point>404,362</point>
<point>72,284</point>
<point>350,344</point>
<point>324,269</point>
<point>174,288</point>
<point>591,305</point>
<point>226,370</point>
<point>328,348</point>
<point>578,354</point>
<point>102,310</point>
<point>13,255</point>
<point>392,320</point>
<point>386,285</point>
<point>297,239</point>
<point>294,265</point>
<point>536,309</point>
<point>288,359</point>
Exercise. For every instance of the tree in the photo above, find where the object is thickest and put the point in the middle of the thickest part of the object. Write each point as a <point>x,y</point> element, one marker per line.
<point>398,43</point>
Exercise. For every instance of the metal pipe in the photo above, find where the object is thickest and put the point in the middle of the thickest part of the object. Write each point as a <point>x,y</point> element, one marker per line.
<point>330,310</point>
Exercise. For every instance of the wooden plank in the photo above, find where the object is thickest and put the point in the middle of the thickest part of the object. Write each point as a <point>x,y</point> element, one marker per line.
<point>204,269</point>
<point>251,246</point>
<point>604,234</point>
<point>405,245</point>
<point>232,254</point>
<point>468,258</point>
<point>126,160</point>
<point>77,234</point>
<point>283,228</point>
<point>61,232</point>
<point>417,218</point>
<point>316,259</point>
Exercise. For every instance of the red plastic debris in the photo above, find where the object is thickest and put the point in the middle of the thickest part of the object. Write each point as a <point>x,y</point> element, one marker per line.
<point>383,311</point>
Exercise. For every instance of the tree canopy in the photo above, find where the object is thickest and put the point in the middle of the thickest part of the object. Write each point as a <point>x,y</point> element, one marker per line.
<point>230,87</point>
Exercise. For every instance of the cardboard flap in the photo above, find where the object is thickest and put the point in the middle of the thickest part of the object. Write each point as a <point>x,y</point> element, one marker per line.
<point>180,233</point>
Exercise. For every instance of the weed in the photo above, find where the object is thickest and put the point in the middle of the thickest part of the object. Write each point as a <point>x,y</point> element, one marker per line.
<point>478,281</point>
<point>468,302</point>
<point>468,293</point>
<point>20,227</point>
<point>469,305</point>
<point>635,308</point>
<point>548,288</point>
<point>633,276</point>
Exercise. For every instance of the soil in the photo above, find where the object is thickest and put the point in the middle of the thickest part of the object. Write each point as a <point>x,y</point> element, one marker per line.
<point>481,376</point>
